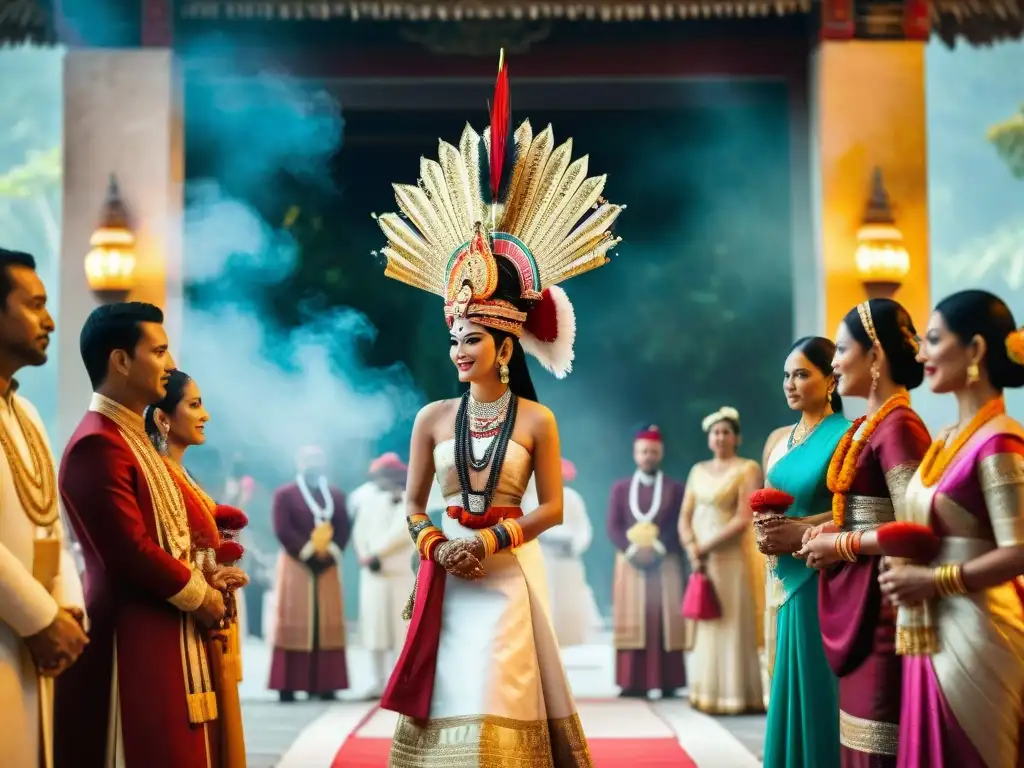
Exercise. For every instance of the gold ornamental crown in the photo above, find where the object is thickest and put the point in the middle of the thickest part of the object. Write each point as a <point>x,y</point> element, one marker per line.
<point>503,195</point>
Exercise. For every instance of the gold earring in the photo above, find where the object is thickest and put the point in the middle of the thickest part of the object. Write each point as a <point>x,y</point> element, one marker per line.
<point>503,372</point>
<point>874,378</point>
<point>973,374</point>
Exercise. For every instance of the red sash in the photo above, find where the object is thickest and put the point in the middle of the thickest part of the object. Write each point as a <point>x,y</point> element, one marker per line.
<point>411,686</point>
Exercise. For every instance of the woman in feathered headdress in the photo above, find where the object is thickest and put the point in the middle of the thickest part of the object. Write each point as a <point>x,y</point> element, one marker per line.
<point>491,228</point>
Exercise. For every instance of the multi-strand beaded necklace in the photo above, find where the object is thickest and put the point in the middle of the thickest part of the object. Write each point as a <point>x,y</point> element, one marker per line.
<point>497,421</point>
<point>843,466</point>
<point>36,486</point>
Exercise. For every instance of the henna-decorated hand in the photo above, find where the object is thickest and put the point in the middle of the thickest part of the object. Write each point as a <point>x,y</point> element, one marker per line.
<point>458,559</point>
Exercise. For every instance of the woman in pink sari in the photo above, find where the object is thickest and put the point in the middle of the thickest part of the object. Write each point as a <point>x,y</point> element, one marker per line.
<point>960,624</point>
<point>876,350</point>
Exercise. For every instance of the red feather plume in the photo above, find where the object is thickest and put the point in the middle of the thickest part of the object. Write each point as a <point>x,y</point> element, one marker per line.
<point>912,541</point>
<point>501,119</point>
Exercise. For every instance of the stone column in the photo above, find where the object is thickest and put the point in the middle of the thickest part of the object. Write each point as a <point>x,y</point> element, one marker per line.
<point>122,115</point>
<point>868,110</point>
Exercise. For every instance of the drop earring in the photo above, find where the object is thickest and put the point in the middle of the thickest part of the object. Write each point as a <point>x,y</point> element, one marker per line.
<point>503,373</point>
<point>973,374</point>
<point>874,378</point>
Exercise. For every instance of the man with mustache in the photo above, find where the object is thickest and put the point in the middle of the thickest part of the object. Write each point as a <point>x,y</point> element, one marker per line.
<point>40,632</point>
<point>141,696</point>
<point>643,517</point>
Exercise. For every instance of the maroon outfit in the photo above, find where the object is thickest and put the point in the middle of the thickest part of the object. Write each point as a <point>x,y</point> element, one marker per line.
<point>135,634</point>
<point>857,622</point>
<point>649,628</point>
<point>309,637</point>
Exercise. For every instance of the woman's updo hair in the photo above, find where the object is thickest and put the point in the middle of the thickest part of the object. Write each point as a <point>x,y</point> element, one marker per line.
<point>519,379</point>
<point>980,313</point>
<point>176,384</point>
<point>726,415</point>
<point>896,335</point>
<point>820,352</point>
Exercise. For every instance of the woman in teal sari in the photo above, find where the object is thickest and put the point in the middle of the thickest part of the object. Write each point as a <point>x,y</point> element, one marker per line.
<point>803,708</point>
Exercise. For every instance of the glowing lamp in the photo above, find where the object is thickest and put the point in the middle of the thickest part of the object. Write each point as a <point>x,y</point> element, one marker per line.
<point>110,263</point>
<point>882,260</point>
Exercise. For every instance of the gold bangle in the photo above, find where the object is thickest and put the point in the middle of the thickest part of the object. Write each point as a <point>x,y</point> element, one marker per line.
<point>515,532</point>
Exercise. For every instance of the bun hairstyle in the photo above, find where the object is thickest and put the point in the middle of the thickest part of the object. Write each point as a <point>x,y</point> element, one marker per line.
<point>176,383</point>
<point>980,313</point>
<point>820,352</point>
<point>896,335</point>
<point>727,414</point>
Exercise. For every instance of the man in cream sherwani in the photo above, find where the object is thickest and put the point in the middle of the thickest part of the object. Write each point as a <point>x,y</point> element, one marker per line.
<point>380,536</point>
<point>41,618</point>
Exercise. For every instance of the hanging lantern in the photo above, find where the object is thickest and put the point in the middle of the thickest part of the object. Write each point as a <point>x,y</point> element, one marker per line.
<point>882,260</point>
<point>110,264</point>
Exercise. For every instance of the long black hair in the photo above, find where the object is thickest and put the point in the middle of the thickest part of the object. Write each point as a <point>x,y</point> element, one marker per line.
<point>896,335</point>
<point>820,352</point>
<point>519,379</point>
<point>980,313</point>
<point>176,384</point>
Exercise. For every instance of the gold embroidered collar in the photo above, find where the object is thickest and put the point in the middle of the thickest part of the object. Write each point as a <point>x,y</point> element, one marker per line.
<point>100,403</point>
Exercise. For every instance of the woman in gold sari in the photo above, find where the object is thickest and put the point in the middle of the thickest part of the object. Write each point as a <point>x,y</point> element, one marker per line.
<point>173,424</point>
<point>960,619</point>
<point>715,527</point>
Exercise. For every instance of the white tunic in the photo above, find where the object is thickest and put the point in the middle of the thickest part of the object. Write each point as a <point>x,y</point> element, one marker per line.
<point>574,610</point>
<point>26,607</point>
<point>379,530</point>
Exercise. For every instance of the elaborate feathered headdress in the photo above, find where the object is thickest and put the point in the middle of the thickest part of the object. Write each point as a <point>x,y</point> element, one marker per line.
<point>496,224</point>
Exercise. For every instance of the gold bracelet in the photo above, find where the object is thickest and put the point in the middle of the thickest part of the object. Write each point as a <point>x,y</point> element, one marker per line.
<point>949,580</point>
<point>515,531</point>
<point>489,539</point>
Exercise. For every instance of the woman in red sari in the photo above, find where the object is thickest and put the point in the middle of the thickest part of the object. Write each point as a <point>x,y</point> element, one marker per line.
<point>876,347</point>
<point>173,424</point>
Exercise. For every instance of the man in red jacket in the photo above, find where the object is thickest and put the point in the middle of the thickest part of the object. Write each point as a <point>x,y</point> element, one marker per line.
<point>141,695</point>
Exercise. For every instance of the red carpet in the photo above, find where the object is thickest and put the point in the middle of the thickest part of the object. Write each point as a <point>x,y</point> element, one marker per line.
<point>651,744</point>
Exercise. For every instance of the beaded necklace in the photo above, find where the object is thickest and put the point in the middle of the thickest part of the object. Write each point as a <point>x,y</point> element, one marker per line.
<point>843,466</point>
<point>936,461</point>
<point>36,486</point>
<point>476,502</point>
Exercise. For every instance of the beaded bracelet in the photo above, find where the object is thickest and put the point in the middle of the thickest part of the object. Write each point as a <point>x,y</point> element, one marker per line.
<point>507,534</point>
<point>949,580</point>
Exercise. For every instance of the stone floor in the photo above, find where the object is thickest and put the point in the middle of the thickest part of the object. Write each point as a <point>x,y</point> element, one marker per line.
<point>272,728</point>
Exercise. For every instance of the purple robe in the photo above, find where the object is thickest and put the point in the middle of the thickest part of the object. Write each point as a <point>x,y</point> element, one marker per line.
<point>309,636</point>
<point>650,632</point>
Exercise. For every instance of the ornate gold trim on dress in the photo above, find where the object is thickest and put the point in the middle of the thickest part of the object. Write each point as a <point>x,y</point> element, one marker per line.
<point>872,737</point>
<point>897,480</point>
<point>174,536</point>
<point>36,487</point>
<point>489,741</point>
<point>866,512</point>
<point>190,597</point>
<point>1002,481</point>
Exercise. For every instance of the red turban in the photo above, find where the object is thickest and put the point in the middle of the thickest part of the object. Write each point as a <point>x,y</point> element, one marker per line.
<point>389,462</point>
<point>649,433</point>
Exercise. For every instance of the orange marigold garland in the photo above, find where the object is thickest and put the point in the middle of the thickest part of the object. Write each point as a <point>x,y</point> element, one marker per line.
<point>843,466</point>
<point>938,457</point>
<point>1015,346</point>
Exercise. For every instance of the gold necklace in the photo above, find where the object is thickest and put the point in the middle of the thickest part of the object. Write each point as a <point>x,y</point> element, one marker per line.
<point>799,435</point>
<point>36,487</point>
<point>168,503</point>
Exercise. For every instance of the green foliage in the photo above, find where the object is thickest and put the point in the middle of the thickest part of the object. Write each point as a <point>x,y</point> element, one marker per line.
<point>1008,139</point>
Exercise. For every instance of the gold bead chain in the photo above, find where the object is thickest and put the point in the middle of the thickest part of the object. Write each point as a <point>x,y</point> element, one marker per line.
<point>167,501</point>
<point>36,486</point>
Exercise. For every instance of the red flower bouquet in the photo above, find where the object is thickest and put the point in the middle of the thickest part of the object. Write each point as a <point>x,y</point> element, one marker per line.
<point>911,541</point>
<point>770,501</point>
<point>230,521</point>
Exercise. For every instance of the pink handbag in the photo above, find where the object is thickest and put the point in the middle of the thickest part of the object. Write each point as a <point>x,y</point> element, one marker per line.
<point>700,602</point>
